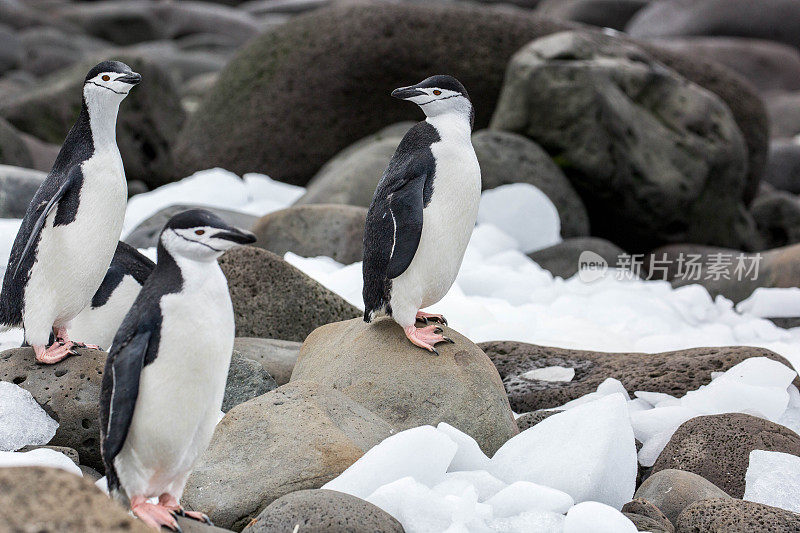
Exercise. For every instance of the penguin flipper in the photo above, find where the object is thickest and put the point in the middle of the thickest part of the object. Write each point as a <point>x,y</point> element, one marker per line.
<point>73,177</point>
<point>120,391</point>
<point>405,210</point>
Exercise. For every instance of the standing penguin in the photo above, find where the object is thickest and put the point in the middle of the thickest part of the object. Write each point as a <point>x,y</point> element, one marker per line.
<point>423,211</point>
<point>71,227</point>
<point>100,320</point>
<point>165,375</point>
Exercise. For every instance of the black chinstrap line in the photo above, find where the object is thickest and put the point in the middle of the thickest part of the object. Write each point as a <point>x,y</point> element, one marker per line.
<point>104,87</point>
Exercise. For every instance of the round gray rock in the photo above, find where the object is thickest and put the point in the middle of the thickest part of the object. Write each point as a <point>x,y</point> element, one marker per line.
<point>323,511</point>
<point>604,13</point>
<point>376,365</point>
<point>777,216</point>
<point>298,436</point>
<point>717,447</point>
<point>510,158</point>
<point>784,116</point>
<point>247,379</point>
<point>276,356</point>
<point>672,491</point>
<point>274,300</point>
<point>13,150</point>
<point>70,393</point>
<point>655,158</point>
<point>17,187</point>
<point>335,231</point>
<point>783,165</point>
<point>562,259</point>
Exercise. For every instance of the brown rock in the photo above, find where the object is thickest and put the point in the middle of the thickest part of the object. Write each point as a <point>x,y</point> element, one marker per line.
<point>276,356</point>
<point>70,393</point>
<point>717,447</point>
<point>671,491</point>
<point>335,231</point>
<point>299,436</point>
<point>736,516</point>
<point>528,420</point>
<point>669,372</point>
<point>375,365</point>
<point>274,300</point>
<point>49,500</point>
<point>647,517</point>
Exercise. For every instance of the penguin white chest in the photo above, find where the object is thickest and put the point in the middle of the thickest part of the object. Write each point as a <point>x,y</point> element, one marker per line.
<point>72,259</point>
<point>181,391</point>
<point>447,225</point>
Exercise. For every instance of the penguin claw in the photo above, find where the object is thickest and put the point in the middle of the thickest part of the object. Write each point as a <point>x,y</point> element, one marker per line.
<point>448,339</point>
<point>427,317</point>
<point>193,515</point>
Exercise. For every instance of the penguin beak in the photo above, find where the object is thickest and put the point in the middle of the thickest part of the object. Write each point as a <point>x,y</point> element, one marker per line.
<point>132,78</point>
<point>404,93</point>
<point>236,235</point>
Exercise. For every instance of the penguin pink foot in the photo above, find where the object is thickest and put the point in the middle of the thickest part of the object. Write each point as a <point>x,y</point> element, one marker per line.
<point>426,337</point>
<point>54,353</point>
<point>62,337</point>
<point>171,503</point>
<point>154,515</point>
<point>424,317</point>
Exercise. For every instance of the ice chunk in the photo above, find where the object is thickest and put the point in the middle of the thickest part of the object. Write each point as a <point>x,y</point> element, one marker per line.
<point>587,452</point>
<point>608,387</point>
<point>529,522</point>
<point>22,420</point>
<point>791,417</point>
<point>773,478</point>
<point>485,484</point>
<point>596,517</point>
<point>550,373</point>
<point>657,399</point>
<point>773,303</point>
<point>488,240</point>
<point>469,455</point>
<point>39,457</point>
<point>522,496</point>
<point>422,453</point>
<point>523,212</point>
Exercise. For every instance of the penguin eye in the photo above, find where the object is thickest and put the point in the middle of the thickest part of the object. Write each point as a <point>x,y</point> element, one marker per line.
<point>106,77</point>
<point>199,232</point>
<point>437,92</point>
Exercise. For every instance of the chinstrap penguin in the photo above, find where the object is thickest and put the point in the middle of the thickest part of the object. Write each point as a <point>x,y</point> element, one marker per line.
<point>71,227</point>
<point>165,376</point>
<point>423,211</point>
<point>100,320</point>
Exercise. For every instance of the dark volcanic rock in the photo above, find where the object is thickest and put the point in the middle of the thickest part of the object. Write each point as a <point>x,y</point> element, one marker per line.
<point>562,259</point>
<point>774,20</point>
<point>604,13</point>
<point>777,217</point>
<point>673,373</point>
<point>655,159</point>
<point>376,365</point>
<point>736,516</point>
<point>672,491</point>
<point>258,118</point>
<point>528,420</point>
<point>48,500</point>
<point>274,300</point>
<point>149,118</point>
<point>70,393</point>
<point>717,447</point>
<point>332,230</point>
<point>323,511</point>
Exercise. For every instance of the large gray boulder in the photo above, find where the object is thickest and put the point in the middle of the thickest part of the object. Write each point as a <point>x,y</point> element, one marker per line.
<point>783,165</point>
<point>562,259</point>
<point>259,118</point>
<point>13,150</point>
<point>299,436</point>
<point>335,231</point>
<point>276,356</point>
<point>377,366</point>
<point>773,20</point>
<point>777,216</point>
<point>52,500</point>
<point>274,300</point>
<point>247,379</point>
<point>604,13</point>
<point>784,117</point>
<point>656,158</point>
<point>323,511</point>
<point>149,118</point>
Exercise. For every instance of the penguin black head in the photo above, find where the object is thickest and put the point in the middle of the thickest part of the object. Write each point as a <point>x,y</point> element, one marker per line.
<point>438,95</point>
<point>109,80</point>
<point>201,235</point>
